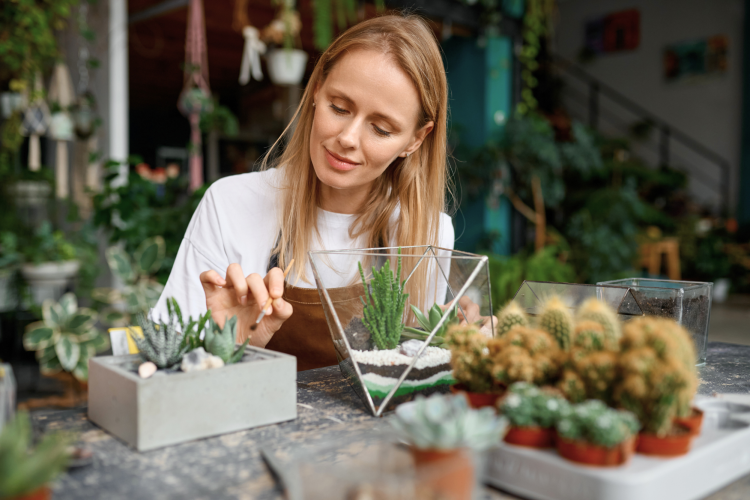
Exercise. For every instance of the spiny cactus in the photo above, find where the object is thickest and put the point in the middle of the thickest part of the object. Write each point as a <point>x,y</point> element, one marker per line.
<point>470,358</point>
<point>161,343</point>
<point>428,323</point>
<point>383,303</point>
<point>657,382</point>
<point>221,341</point>
<point>511,315</point>
<point>557,320</point>
<point>595,423</point>
<point>526,405</point>
<point>524,354</point>
<point>599,312</point>
<point>591,365</point>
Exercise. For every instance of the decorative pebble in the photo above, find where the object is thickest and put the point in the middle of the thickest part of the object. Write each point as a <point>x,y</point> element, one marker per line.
<point>199,359</point>
<point>214,362</point>
<point>432,356</point>
<point>410,347</point>
<point>145,370</point>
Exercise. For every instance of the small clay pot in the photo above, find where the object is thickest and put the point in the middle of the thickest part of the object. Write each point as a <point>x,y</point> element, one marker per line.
<point>477,399</point>
<point>593,454</point>
<point>533,436</point>
<point>43,493</point>
<point>448,472</point>
<point>692,421</point>
<point>674,444</point>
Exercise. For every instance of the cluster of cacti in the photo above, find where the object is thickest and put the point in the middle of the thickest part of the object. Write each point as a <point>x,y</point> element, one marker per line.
<point>383,303</point>
<point>525,405</point>
<point>603,315</point>
<point>657,379</point>
<point>470,358</point>
<point>161,342</point>
<point>557,320</point>
<point>428,323</point>
<point>221,341</point>
<point>511,316</point>
<point>524,354</point>
<point>595,423</point>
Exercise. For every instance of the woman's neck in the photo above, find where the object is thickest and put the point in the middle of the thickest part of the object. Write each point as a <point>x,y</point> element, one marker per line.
<point>343,201</point>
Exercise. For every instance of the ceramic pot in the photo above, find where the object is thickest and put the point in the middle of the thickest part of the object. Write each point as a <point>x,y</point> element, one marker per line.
<point>592,454</point>
<point>533,436</point>
<point>286,67</point>
<point>674,444</point>
<point>43,493</point>
<point>694,421</point>
<point>448,472</point>
<point>49,280</point>
<point>476,399</point>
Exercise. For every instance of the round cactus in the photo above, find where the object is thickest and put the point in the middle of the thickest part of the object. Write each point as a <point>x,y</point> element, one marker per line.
<point>599,312</point>
<point>511,315</point>
<point>591,363</point>
<point>524,355</point>
<point>470,358</point>
<point>557,320</point>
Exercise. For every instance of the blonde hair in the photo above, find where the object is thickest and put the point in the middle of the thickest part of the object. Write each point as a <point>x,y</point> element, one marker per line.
<point>419,183</point>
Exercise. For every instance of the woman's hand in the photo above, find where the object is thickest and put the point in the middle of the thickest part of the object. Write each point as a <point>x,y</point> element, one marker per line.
<point>243,297</point>
<point>468,312</point>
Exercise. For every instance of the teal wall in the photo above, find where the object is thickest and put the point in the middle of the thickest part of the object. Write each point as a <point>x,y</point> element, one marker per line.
<point>480,86</point>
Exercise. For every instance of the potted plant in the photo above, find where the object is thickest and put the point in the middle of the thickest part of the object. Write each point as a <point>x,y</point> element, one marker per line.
<point>443,429</point>
<point>524,354</point>
<point>26,471</point>
<point>189,381</point>
<point>9,260</point>
<point>50,263</point>
<point>532,413</point>
<point>593,434</point>
<point>657,382</point>
<point>286,65</point>
<point>472,366</point>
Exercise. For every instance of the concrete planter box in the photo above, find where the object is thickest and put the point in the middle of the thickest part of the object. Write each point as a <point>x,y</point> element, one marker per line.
<point>175,407</point>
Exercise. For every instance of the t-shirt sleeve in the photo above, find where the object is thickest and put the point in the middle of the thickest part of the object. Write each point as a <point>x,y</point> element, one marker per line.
<point>446,241</point>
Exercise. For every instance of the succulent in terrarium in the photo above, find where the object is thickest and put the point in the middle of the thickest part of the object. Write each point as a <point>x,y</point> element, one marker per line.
<point>429,322</point>
<point>657,380</point>
<point>161,343</point>
<point>595,423</point>
<point>524,355</point>
<point>445,422</point>
<point>470,358</point>
<point>599,312</point>
<point>383,302</point>
<point>221,341</point>
<point>526,405</point>
<point>557,320</point>
<point>511,315</point>
<point>66,337</point>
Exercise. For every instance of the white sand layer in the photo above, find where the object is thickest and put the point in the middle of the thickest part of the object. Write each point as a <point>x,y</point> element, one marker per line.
<point>432,356</point>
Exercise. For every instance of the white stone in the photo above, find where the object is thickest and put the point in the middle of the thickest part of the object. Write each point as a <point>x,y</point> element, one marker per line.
<point>145,370</point>
<point>432,356</point>
<point>213,362</point>
<point>194,360</point>
<point>410,347</point>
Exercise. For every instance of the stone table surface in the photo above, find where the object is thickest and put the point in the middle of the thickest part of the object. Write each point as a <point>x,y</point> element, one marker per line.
<point>231,466</point>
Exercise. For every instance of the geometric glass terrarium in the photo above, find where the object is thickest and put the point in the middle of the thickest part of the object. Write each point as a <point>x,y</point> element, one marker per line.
<point>386,350</point>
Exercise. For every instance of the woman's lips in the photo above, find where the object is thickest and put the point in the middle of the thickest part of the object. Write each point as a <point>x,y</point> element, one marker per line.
<point>337,163</point>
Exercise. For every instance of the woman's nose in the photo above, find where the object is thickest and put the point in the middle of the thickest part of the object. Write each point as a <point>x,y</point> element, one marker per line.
<point>349,136</point>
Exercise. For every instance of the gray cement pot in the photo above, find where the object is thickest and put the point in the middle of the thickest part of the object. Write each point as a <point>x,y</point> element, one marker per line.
<point>171,408</point>
<point>49,280</point>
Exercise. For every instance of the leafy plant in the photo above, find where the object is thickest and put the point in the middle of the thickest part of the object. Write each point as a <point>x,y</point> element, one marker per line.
<point>221,341</point>
<point>66,337</point>
<point>525,405</point>
<point>470,359</point>
<point>343,12</point>
<point>47,245</point>
<point>24,469</point>
<point>9,254</point>
<point>524,355</point>
<point>161,343</point>
<point>219,119</point>
<point>446,422</point>
<point>192,329</point>
<point>429,323</point>
<point>595,423</point>
<point>383,303</point>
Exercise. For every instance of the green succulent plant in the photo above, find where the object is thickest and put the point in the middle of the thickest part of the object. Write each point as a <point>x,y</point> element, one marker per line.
<point>511,315</point>
<point>595,423</point>
<point>66,337</point>
<point>141,291</point>
<point>9,254</point>
<point>24,470</point>
<point>557,320</point>
<point>446,422</point>
<point>161,343</point>
<point>221,341</point>
<point>428,323</point>
<point>470,359</point>
<point>525,405</point>
<point>383,302</point>
<point>191,328</point>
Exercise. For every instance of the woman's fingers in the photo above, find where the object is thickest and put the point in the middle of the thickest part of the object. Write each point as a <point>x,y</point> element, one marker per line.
<point>469,311</point>
<point>236,279</point>
<point>258,289</point>
<point>274,282</point>
<point>211,280</point>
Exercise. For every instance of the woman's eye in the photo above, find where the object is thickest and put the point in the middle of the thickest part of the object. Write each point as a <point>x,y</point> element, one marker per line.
<point>337,110</point>
<point>381,132</point>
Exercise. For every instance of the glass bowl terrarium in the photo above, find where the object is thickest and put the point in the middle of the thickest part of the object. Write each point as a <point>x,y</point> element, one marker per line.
<point>388,310</point>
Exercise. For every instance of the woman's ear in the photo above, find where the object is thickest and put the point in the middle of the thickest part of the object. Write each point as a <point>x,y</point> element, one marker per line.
<point>419,137</point>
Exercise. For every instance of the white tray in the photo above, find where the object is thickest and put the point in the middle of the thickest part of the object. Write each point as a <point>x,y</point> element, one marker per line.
<point>720,455</point>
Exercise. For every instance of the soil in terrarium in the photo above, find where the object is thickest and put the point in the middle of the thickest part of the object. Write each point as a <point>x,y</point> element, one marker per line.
<point>694,315</point>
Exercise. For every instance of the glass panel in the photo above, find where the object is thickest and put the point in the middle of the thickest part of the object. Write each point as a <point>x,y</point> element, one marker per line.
<point>532,294</point>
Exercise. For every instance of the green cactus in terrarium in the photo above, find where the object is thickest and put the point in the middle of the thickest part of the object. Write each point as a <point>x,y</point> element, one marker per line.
<point>383,302</point>
<point>557,320</point>
<point>511,315</point>
<point>599,312</point>
<point>161,343</point>
<point>656,380</point>
<point>428,323</point>
<point>524,355</point>
<point>470,358</point>
<point>525,405</point>
<point>221,341</point>
<point>595,423</point>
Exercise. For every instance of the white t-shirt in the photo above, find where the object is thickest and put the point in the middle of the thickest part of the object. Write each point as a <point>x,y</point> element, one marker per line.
<point>237,222</point>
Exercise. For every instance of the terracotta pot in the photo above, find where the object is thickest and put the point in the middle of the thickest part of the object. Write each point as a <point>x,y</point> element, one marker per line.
<point>692,422</point>
<point>533,436</point>
<point>43,493</point>
<point>477,399</point>
<point>676,443</point>
<point>448,472</point>
<point>592,454</point>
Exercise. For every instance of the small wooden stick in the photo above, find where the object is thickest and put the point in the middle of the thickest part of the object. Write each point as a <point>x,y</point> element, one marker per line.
<point>270,300</point>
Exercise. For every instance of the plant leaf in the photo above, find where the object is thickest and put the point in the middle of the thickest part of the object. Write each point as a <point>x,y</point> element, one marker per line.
<point>68,352</point>
<point>37,336</point>
<point>119,263</point>
<point>421,318</point>
<point>149,256</point>
<point>81,371</point>
<point>436,315</point>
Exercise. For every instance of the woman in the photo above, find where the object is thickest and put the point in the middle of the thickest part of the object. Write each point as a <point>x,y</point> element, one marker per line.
<point>365,167</point>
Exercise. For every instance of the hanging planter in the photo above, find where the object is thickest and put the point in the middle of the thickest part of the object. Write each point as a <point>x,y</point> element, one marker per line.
<point>286,66</point>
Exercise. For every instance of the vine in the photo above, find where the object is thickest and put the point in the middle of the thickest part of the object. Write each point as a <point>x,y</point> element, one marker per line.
<point>537,25</point>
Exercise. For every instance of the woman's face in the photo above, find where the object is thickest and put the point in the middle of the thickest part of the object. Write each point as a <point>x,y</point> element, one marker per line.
<point>366,116</point>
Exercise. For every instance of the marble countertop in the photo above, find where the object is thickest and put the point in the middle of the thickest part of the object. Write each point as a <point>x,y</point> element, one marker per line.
<point>231,465</point>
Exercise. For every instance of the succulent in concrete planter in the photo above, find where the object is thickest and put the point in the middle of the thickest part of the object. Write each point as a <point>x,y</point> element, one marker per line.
<point>524,355</point>
<point>471,363</point>
<point>532,413</point>
<point>221,341</point>
<point>160,344</point>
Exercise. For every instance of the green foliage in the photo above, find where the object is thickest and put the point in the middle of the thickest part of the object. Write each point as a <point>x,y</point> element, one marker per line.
<point>470,359</point>
<point>161,342</point>
<point>47,245</point>
<point>428,323</point>
<point>9,255</point>
<point>536,26</point>
<point>446,422</point>
<point>526,405</point>
<point>557,320</point>
<point>328,12</point>
<point>219,119</point>
<point>512,315</point>
<point>66,337</point>
<point>24,469</point>
<point>593,422</point>
<point>191,328</point>
<point>221,341</point>
<point>383,303</point>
